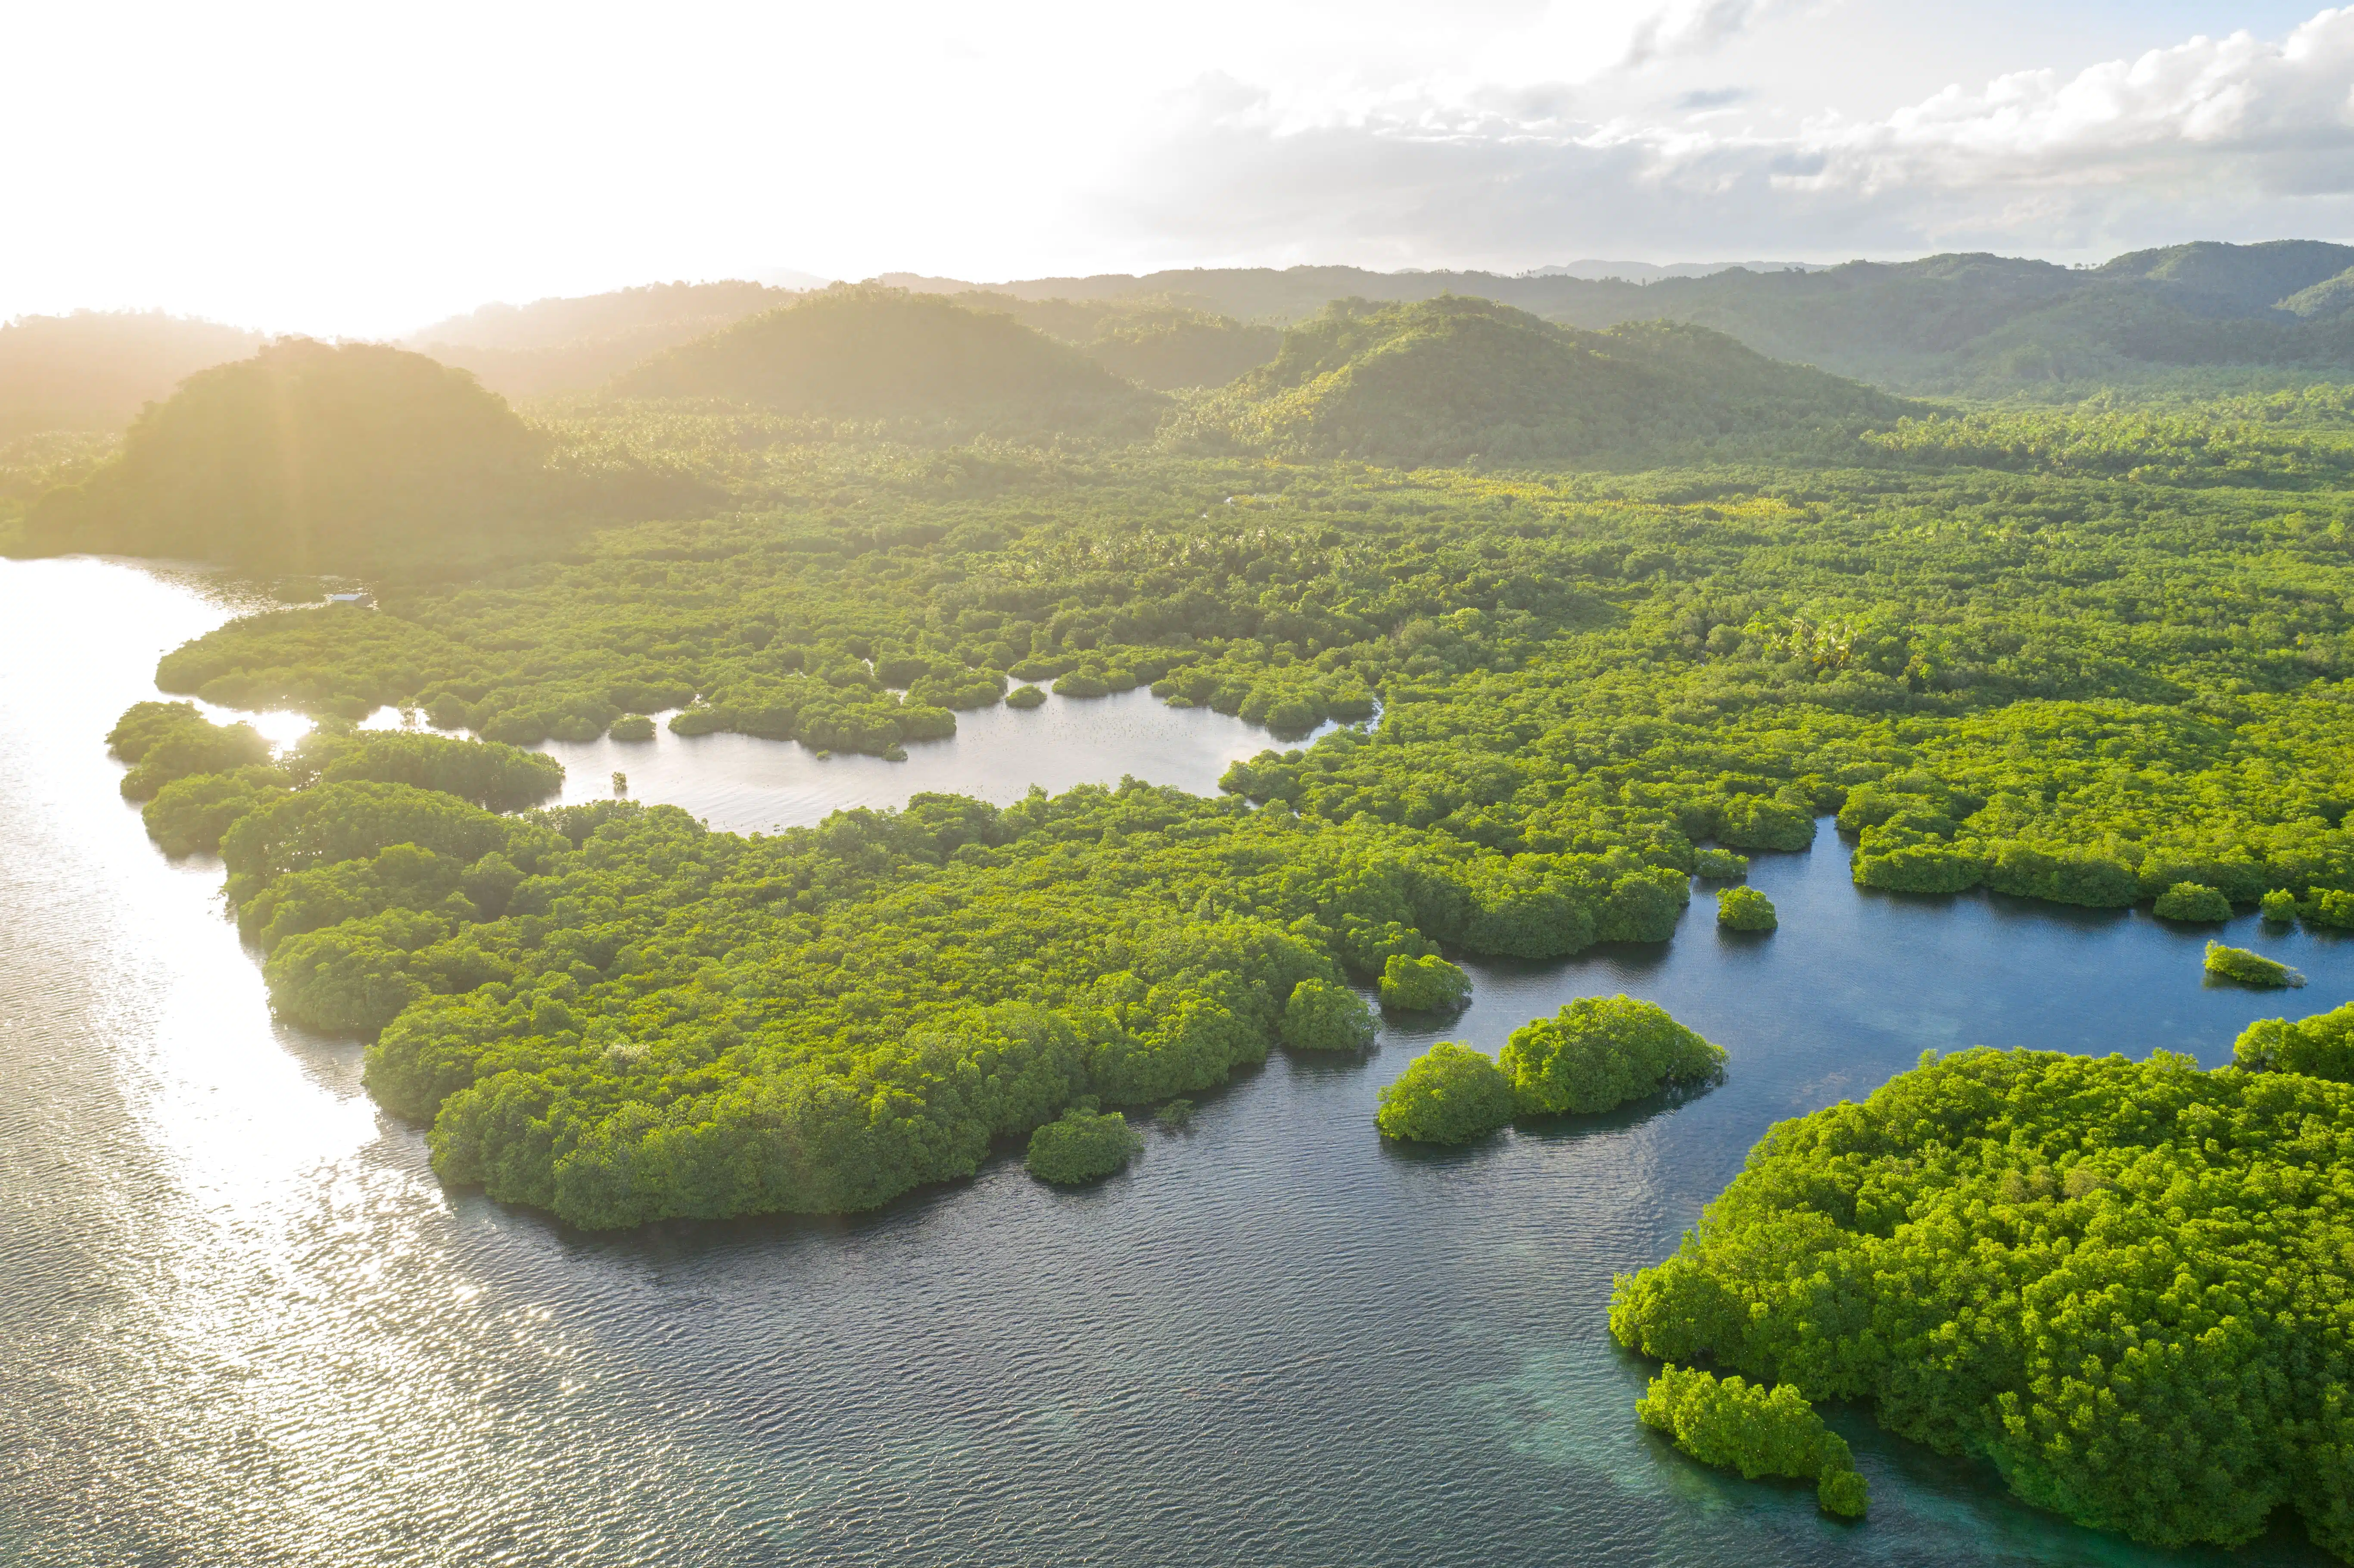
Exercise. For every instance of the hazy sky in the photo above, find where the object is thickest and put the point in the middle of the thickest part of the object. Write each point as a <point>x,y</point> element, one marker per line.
<point>362,168</point>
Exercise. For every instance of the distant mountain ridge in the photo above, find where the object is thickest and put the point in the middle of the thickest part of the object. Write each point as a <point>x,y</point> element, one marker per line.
<point>1653,271</point>
<point>574,344</point>
<point>1964,323</point>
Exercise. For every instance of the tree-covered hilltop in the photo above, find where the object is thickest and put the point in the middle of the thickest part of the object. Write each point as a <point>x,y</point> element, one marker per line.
<point>1451,378</point>
<point>882,354</point>
<point>352,458</point>
<point>2126,1284</point>
<point>312,456</point>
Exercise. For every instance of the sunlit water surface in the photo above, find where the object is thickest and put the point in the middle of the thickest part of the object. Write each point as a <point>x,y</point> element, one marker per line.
<point>243,1324</point>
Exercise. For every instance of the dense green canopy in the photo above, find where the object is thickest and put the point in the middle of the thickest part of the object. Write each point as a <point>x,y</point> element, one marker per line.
<point>2130,1285</point>
<point>1600,1051</point>
<point>1449,1094</point>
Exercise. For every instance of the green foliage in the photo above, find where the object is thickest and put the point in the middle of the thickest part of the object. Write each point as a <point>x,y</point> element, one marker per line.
<point>2243,967</point>
<point>612,1013</point>
<point>632,726</point>
<point>1449,1094</point>
<point>2279,906</point>
<point>1737,1425</point>
<point>1424,984</point>
<point>1598,1052</point>
<point>1080,1146</point>
<point>1744,910</point>
<point>2330,906</point>
<point>1025,697</point>
<point>2321,1046</point>
<point>1323,1016</point>
<point>1719,865</point>
<point>166,742</point>
<point>1448,379</point>
<point>2189,901</point>
<point>189,815</point>
<point>2121,1282</point>
<point>495,777</point>
<point>312,457</point>
<point>876,353</point>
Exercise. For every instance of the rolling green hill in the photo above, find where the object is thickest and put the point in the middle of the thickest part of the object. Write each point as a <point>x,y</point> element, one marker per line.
<point>310,456</point>
<point>1445,380</point>
<point>883,354</point>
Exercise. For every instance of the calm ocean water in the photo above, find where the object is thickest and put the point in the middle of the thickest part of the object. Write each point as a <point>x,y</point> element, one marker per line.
<point>244,1325</point>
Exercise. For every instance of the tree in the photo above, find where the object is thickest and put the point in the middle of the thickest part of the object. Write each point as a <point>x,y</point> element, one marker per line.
<point>1081,1147</point>
<point>1738,1425</point>
<point>1323,1016</point>
<point>1601,1052</point>
<point>1449,1094</point>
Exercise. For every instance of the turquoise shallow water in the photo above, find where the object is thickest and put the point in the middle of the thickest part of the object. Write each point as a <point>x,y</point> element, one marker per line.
<point>245,1325</point>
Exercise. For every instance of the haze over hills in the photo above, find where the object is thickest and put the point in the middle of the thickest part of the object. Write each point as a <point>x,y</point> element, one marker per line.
<point>93,370</point>
<point>1965,325</point>
<point>571,345</point>
<point>2186,316</point>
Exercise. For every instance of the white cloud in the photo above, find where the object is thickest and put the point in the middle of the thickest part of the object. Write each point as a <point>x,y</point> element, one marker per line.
<point>1691,28</point>
<point>2234,136</point>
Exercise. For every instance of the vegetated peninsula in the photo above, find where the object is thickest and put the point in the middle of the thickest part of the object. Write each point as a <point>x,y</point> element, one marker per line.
<point>2123,1283</point>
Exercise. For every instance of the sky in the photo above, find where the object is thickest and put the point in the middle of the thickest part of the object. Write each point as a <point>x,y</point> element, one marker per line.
<point>361,169</point>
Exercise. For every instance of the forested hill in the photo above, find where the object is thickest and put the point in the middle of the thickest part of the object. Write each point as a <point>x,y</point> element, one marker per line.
<point>1444,380</point>
<point>310,457</point>
<point>882,354</point>
<point>572,344</point>
<point>93,370</point>
<point>1975,325</point>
